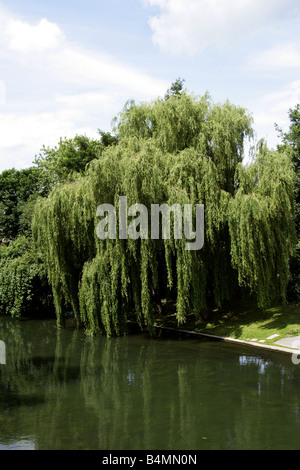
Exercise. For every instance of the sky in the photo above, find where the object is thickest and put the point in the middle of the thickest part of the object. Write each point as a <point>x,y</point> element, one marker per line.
<point>68,67</point>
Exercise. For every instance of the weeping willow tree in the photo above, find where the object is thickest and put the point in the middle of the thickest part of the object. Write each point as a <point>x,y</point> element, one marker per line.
<point>183,150</point>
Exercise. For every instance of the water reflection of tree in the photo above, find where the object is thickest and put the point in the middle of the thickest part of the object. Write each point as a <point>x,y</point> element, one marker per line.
<point>182,416</point>
<point>70,391</point>
<point>33,384</point>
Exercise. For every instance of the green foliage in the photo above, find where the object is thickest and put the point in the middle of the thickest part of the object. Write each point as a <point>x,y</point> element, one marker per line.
<point>24,286</point>
<point>261,225</point>
<point>175,89</point>
<point>24,289</point>
<point>291,144</point>
<point>71,157</point>
<point>107,139</point>
<point>17,187</point>
<point>184,150</point>
<point>292,137</point>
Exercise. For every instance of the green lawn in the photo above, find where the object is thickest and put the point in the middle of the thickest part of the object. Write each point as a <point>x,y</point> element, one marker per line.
<point>245,322</point>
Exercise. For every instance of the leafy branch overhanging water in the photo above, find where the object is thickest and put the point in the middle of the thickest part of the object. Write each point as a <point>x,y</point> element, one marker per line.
<point>184,150</point>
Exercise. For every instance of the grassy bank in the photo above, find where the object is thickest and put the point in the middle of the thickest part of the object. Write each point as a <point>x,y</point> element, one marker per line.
<point>244,322</point>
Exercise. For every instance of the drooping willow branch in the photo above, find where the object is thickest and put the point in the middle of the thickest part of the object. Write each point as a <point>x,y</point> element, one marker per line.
<point>184,150</point>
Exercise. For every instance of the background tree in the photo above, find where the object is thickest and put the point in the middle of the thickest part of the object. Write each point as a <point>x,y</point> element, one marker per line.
<point>67,160</point>
<point>107,139</point>
<point>17,187</point>
<point>291,144</point>
<point>175,89</point>
<point>24,287</point>
<point>23,277</point>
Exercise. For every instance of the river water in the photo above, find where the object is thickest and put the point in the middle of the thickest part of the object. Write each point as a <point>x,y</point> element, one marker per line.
<point>60,389</point>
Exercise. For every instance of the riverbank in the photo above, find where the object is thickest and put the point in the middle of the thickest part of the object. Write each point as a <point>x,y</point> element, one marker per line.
<point>276,328</point>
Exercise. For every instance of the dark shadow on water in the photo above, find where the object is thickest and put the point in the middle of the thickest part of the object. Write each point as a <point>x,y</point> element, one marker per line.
<point>10,399</point>
<point>55,368</point>
<point>48,361</point>
<point>58,370</point>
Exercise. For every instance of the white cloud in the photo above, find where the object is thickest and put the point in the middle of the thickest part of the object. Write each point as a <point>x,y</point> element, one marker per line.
<point>281,56</point>
<point>33,128</point>
<point>192,25</point>
<point>26,38</point>
<point>62,89</point>
<point>23,135</point>
<point>273,108</point>
<point>68,62</point>
<point>89,99</point>
<point>81,66</point>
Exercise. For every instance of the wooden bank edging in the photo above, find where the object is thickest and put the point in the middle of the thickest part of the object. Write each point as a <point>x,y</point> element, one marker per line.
<point>254,344</point>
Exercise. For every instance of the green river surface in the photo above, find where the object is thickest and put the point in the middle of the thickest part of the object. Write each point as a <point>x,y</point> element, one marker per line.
<point>60,389</point>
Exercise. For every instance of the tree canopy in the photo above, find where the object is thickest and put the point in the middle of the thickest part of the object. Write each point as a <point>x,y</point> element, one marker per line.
<point>24,288</point>
<point>17,188</point>
<point>180,150</point>
<point>175,89</point>
<point>291,144</point>
<point>70,157</point>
